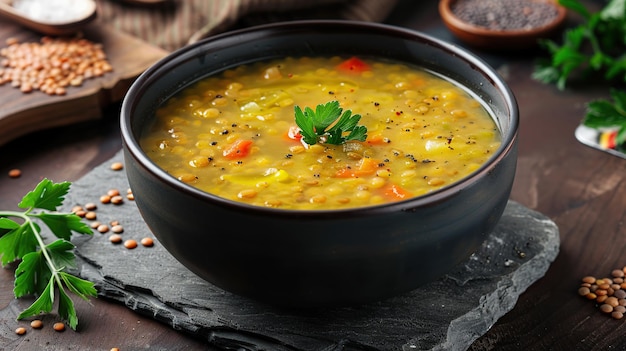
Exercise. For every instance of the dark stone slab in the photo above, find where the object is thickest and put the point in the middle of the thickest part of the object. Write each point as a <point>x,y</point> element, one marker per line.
<point>447,314</point>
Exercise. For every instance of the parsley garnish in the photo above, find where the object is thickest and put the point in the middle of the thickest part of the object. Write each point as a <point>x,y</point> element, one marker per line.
<point>314,124</point>
<point>42,270</point>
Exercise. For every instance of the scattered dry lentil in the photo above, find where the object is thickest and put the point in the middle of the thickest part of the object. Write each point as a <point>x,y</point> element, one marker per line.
<point>52,64</point>
<point>105,199</point>
<point>59,326</point>
<point>36,324</point>
<point>103,228</point>
<point>147,242</point>
<point>95,224</point>
<point>117,166</point>
<point>15,173</point>
<point>115,238</point>
<point>130,244</point>
<point>608,293</point>
<point>113,192</point>
<point>91,215</point>
<point>117,200</point>
<point>91,206</point>
<point>20,331</point>
<point>117,229</point>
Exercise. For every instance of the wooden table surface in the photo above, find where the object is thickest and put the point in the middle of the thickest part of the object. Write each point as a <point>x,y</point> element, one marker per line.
<point>583,190</point>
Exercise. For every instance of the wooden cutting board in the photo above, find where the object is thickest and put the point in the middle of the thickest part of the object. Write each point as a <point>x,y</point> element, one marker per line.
<point>22,113</point>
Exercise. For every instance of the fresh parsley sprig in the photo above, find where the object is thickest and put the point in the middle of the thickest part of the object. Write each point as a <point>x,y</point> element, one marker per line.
<point>42,268</point>
<point>314,124</point>
<point>594,48</point>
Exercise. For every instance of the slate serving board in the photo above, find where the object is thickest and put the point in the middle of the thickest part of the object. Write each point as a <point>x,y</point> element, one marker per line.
<point>447,314</point>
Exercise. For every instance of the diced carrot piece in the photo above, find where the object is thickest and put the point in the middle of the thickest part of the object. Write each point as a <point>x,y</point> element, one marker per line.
<point>238,149</point>
<point>353,64</point>
<point>366,166</point>
<point>375,139</point>
<point>393,192</point>
<point>294,133</point>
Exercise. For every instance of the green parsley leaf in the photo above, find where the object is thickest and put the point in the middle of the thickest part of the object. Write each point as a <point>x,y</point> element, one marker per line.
<point>314,125</point>
<point>595,48</point>
<point>41,271</point>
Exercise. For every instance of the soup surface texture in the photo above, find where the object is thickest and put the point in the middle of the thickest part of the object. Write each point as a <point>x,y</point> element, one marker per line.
<point>235,135</point>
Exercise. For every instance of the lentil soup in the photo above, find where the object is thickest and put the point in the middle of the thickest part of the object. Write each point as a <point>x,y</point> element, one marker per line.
<point>235,136</point>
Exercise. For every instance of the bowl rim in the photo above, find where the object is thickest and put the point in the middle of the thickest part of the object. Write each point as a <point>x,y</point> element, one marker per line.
<point>448,16</point>
<point>508,142</point>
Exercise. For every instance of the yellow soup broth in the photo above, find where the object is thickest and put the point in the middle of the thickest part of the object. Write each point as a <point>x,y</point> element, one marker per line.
<point>235,136</point>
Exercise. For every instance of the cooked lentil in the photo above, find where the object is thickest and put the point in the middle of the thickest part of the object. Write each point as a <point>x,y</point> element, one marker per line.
<point>424,133</point>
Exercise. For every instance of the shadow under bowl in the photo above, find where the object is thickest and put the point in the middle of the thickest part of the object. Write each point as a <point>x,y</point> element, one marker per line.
<point>323,257</point>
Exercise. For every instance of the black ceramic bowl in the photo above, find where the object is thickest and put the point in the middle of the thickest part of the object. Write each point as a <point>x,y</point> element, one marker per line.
<point>319,258</point>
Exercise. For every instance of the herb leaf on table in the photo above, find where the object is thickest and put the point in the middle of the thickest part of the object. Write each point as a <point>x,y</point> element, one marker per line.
<point>595,48</point>
<point>42,268</point>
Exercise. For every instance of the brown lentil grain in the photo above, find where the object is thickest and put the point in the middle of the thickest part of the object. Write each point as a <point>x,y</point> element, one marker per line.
<point>117,200</point>
<point>14,173</point>
<point>117,166</point>
<point>91,206</point>
<point>113,192</point>
<point>49,64</point>
<point>589,279</point>
<point>606,308</point>
<point>147,242</point>
<point>601,298</point>
<point>115,239</point>
<point>95,225</point>
<point>130,244</point>
<point>103,228</point>
<point>20,331</point>
<point>36,324</point>
<point>117,229</point>
<point>582,291</point>
<point>80,213</point>
<point>617,315</point>
<point>617,273</point>
<point>58,326</point>
<point>91,215</point>
<point>105,199</point>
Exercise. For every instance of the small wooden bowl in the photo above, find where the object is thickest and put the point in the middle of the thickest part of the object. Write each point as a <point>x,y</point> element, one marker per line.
<point>500,40</point>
